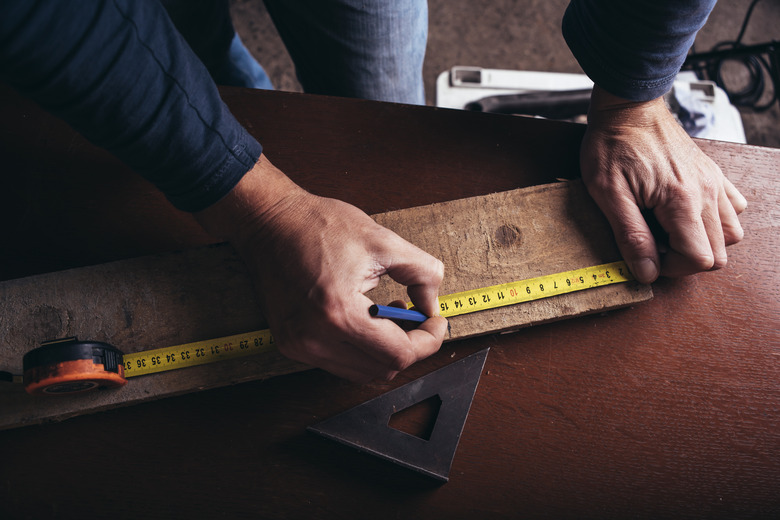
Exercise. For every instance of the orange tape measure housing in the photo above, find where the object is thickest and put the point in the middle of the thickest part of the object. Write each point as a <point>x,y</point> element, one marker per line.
<point>70,366</point>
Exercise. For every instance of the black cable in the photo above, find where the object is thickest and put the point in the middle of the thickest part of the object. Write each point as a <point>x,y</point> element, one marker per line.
<point>745,21</point>
<point>759,61</point>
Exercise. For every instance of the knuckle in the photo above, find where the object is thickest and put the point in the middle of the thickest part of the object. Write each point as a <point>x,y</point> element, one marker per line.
<point>703,262</point>
<point>711,188</point>
<point>438,270</point>
<point>332,313</point>
<point>734,235</point>
<point>388,375</point>
<point>637,239</point>
<point>402,360</point>
<point>601,184</point>
<point>695,195</point>
<point>719,262</point>
<point>681,194</point>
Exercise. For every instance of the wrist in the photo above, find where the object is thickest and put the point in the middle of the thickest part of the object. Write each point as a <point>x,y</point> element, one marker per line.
<point>608,109</point>
<point>261,193</point>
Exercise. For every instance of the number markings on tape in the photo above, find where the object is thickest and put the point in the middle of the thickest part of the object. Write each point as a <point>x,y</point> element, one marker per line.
<point>197,353</point>
<point>231,347</point>
<point>533,289</point>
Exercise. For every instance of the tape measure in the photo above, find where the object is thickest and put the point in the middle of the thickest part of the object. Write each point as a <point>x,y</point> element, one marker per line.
<point>533,289</point>
<point>71,366</point>
<point>197,353</point>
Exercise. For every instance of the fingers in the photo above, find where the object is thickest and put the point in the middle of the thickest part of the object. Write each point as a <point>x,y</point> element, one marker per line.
<point>694,237</point>
<point>735,198</point>
<point>395,347</point>
<point>632,234</point>
<point>371,348</point>
<point>700,228</point>
<point>345,340</point>
<point>339,358</point>
<point>731,203</point>
<point>713,226</point>
<point>420,272</point>
<point>699,213</point>
<point>635,155</point>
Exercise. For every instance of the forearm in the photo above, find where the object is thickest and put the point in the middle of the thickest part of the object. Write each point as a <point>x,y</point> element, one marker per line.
<point>121,75</point>
<point>633,49</point>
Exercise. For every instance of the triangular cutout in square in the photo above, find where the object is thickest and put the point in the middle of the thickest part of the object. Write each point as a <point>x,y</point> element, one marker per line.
<point>366,428</point>
<point>417,419</point>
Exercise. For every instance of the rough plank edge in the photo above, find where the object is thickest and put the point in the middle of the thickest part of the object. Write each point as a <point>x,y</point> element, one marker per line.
<point>283,366</point>
<point>641,293</point>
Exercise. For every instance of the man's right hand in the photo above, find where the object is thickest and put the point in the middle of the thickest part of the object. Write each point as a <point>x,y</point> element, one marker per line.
<point>312,259</point>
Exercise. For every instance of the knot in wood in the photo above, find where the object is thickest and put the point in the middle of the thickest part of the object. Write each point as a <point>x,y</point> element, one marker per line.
<point>507,235</point>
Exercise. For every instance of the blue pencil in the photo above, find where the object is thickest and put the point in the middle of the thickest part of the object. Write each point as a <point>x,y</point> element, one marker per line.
<point>396,313</point>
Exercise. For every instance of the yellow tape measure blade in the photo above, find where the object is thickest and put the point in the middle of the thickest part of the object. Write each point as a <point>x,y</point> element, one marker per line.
<point>197,353</point>
<point>532,289</point>
<point>210,351</point>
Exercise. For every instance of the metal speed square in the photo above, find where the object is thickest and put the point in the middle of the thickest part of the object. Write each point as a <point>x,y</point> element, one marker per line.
<point>366,426</point>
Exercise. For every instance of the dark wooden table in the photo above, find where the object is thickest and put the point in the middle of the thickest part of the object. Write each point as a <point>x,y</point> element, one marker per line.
<point>669,409</point>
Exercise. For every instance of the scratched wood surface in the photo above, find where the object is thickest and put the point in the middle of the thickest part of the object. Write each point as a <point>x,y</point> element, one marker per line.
<point>206,293</point>
<point>668,409</point>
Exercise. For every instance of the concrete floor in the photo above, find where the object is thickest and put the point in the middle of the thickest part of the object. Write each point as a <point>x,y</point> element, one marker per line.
<point>519,35</point>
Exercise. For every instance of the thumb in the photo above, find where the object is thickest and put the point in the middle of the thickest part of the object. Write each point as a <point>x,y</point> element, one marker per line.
<point>420,272</point>
<point>633,236</point>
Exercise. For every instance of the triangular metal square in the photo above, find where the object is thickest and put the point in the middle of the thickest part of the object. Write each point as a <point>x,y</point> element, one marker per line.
<point>365,426</point>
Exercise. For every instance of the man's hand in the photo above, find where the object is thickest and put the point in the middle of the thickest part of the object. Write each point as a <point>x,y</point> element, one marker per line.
<point>312,260</point>
<point>636,157</point>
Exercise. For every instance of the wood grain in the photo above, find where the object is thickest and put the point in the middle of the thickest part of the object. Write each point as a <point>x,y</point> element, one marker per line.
<point>510,236</point>
<point>669,409</point>
<point>206,293</point>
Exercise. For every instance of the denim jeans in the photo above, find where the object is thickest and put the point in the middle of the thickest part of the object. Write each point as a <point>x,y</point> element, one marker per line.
<point>371,49</point>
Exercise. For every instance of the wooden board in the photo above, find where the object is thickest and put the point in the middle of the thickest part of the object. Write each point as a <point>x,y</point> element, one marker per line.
<point>201,294</point>
<point>509,236</point>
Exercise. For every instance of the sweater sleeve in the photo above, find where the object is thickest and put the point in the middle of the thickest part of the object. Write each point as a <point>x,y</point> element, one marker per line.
<point>635,49</point>
<point>120,73</point>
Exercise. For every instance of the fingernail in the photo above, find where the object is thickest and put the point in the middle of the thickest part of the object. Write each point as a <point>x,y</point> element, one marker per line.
<point>741,204</point>
<point>645,270</point>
